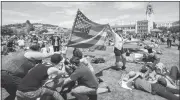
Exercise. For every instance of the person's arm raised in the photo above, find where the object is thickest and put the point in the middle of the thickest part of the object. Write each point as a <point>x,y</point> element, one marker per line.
<point>132,79</point>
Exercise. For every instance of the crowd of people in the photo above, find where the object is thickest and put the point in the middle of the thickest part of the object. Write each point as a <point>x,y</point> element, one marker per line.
<point>29,77</point>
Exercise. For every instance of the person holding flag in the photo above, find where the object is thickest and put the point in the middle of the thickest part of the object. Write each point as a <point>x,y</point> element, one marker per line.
<point>118,49</point>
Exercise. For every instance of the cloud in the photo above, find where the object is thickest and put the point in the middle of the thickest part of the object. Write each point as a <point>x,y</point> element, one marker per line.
<point>67,4</point>
<point>112,20</point>
<point>11,12</point>
<point>128,5</point>
<point>67,24</point>
<point>65,12</point>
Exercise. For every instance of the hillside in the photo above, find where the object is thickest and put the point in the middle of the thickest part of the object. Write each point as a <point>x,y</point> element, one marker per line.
<point>21,25</point>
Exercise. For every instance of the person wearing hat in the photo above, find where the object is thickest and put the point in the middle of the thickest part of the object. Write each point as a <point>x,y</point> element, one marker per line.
<point>137,79</point>
<point>31,85</point>
<point>14,69</point>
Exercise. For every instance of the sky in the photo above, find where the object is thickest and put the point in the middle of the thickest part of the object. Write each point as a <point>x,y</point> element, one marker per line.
<point>63,13</point>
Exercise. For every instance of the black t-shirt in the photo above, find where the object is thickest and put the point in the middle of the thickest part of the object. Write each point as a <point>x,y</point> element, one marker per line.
<point>84,77</point>
<point>53,39</point>
<point>33,80</point>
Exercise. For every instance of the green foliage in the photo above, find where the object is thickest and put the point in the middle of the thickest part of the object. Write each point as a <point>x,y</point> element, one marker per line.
<point>6,31</point>
<point>164,29</point>
<point>174,29</point>
<point>43,31</point>
<point>29,26</point>
<point>154,25</point>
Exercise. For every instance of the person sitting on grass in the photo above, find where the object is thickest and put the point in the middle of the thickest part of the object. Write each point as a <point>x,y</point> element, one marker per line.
<point>31,85</point>
<point>138,81</point>
<point>14,69</point>
<point>151,57</point>
<point>79,54</point>
<point>88,86</point>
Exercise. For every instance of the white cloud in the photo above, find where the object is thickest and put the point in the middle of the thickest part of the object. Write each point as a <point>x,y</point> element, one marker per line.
<point>67,12</point>
<point>67,4</point>
<point>129,5</point>
<point>11,12</point>
<point>67,24</point>
<point>112,20</point>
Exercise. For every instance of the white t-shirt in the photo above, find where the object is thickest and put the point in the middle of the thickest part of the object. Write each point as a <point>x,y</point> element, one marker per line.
<point>20,42</point>
<point>56,41</point>
<point>118,41</point>
<point>87,63</point>
<point>45,50</point>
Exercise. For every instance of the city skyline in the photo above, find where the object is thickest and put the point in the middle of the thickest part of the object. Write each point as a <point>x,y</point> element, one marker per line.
<point>63,13</point>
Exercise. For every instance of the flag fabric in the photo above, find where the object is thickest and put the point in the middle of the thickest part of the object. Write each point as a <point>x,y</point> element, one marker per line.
<point>86,33</point>
<point>120,42</point>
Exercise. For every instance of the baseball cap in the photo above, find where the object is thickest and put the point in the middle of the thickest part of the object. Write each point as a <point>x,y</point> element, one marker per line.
<point>56,58</point>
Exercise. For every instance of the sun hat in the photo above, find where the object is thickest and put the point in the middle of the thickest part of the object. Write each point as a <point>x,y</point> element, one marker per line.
<point>132,74</point>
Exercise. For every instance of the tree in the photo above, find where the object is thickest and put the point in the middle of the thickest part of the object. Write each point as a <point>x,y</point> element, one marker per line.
<point>43,31</point>
<point>154,25</point>
<point>6,31</point>
<point>174,29</point>
<point>29,27</point>
<point>164,29</point>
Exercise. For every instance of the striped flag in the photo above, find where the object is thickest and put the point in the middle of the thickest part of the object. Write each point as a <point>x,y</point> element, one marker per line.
<point>86,33</point>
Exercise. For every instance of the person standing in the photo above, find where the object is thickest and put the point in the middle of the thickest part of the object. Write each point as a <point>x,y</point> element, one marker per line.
<point>21,43</point>
<point>169,40</point>
<point>118,50</point>
<point>55,41</point>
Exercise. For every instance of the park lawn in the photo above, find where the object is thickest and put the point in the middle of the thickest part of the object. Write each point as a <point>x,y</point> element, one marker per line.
<point>170,57</point>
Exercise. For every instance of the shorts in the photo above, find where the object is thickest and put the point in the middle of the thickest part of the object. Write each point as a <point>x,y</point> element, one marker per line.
<point>118,52</point>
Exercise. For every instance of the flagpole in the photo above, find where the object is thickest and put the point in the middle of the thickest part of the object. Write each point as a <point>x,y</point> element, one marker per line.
<point>72,29</point>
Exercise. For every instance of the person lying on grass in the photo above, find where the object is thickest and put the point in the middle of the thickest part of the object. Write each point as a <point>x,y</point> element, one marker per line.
<point>161,75</point>
<point>138,81</point>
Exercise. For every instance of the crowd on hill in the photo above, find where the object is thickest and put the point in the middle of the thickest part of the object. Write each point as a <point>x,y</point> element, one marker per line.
<point>28,77</point>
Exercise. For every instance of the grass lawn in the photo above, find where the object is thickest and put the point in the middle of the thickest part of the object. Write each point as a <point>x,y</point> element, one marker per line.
<point>170,57</point>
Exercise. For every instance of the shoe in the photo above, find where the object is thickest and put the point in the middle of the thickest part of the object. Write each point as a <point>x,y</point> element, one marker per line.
<point>123,68</point>
<point>100,80</point>
<point>109,90</point>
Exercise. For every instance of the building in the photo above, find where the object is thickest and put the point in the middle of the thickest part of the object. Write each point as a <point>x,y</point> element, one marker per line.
<point>162,24</point>
<point>142,27</point>
<point>125,28</point>
<point>149,17</point>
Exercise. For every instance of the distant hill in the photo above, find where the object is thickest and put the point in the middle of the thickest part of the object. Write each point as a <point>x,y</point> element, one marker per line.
<point>45,25</point>
<point>21,25</point>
